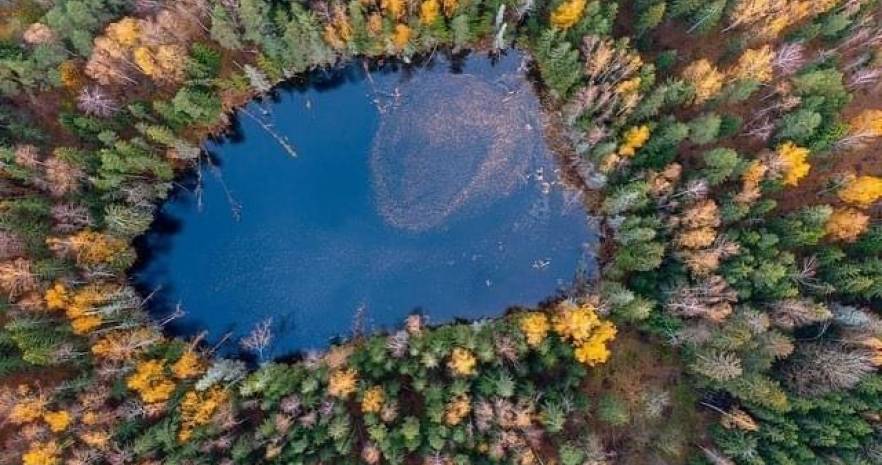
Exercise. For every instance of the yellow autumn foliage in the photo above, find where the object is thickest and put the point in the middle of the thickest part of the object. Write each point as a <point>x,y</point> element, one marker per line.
<point>629,86</point>
<point>535,327</point>
<point>457,409</point>
<point>594,350</point>
<point>755,64</point>
<point>867,124</point>
<point>462,362</point>
<point>794,162</point>
<point>342,383</point>
<point>696,238</point>
<point>573,322</point>
<point>85,324</point>
<point>197,408</point>
<point>188,366</point>
<point>393,8</point>
<point>27,410</point>
<point>846,224</point>
<point>373,399</point>
<point>862,192</point>
<point>634,139</point>
<point>89,247</point>
<point>97,439</point>
<point>56,297</point>
<point>70,75</point>
<point>568,13</point>
<point>375,24</point>
<point>401,36</point>
<point>150,382</point>
<point>429,12</point>
<point>338,32</point>
<point>450,7</point>
<point>751,178</point>
<point>705,78</point>
<point>125,32</point>
<point>42,453</point>
<point>58,421</point>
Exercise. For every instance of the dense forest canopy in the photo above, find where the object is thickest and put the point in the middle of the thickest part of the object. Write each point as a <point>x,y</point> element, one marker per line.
<point>729,147</point>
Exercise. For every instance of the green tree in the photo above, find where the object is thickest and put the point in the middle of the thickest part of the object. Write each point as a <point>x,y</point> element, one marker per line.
<point>705,128</point>
<point>720,164</point>
<point>649,15</point>
<point>558,62</point>
<point>223,30</point>
<point>799,126</point>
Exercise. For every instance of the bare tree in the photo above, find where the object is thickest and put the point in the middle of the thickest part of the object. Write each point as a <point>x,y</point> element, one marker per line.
<point>793,313</point>
<point>259,339</point>
<point>818,368</point>
<point>789,58</point>
<point>94,101</point>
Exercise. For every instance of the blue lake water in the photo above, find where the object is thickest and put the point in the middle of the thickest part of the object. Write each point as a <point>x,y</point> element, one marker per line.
<point>424,189</point>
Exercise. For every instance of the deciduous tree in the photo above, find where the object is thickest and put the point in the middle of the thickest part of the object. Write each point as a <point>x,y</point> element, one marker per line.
<point>706,80</point>
<point>568,13</point>
<point>862,191</point>
<point>847,224</point>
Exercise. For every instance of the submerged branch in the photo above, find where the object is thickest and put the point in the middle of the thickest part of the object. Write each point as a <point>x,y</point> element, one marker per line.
<point>266,127</point>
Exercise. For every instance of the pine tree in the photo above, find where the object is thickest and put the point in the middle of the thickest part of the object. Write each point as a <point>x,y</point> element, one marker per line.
<point>705,128</point>
<point>650,17</point>
<point>255,20</point>
<point>707,16</point>
<point>720,165</point>
<point>558,63</point>
<point>223,30</point>
<point>718,366</point>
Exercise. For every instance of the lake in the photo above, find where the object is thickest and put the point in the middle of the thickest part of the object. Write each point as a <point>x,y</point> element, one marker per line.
<point>414,189</point>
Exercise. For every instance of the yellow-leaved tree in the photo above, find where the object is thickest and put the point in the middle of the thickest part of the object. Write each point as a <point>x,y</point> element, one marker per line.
<point>862,191</point>
<point>846,224</point>
<point>633,139</point>
<point>462,362</point>
<point>705,78</point>
<point>394,8</point>
<point>429,12</point>
<point>794,163</point>
<point>90,247</point>
<point>42,453</point>
<point>150,382</point>
<point>401,36</point>
<point>867,124</point>
<point>535,327</point>
<point>338,32</point>
<point>125,32</point>
<point>755,64</point>
<point>568,13</point>
<point>373,399</point>
<point>342,383</point>
<point>197,408</point>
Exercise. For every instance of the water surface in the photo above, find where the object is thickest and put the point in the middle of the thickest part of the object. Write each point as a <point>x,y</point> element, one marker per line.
<point>426,189</point>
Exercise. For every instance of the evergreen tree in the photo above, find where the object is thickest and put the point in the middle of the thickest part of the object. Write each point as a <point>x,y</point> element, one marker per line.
<point>558,62</point>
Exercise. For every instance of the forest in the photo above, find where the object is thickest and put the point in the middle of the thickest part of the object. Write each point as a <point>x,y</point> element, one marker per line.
<point>729,150</point>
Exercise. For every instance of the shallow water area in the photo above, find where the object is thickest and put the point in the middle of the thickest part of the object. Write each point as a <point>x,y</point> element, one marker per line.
<point>424,189</point>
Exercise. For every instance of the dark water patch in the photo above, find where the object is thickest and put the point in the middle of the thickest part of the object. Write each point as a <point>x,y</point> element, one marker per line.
<point>415,189</point>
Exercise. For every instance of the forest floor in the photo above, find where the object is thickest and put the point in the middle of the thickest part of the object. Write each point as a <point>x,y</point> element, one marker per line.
<point>638,370</point>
